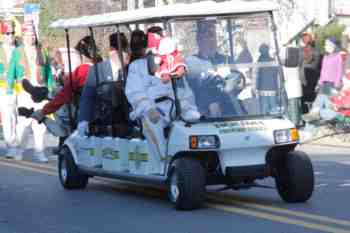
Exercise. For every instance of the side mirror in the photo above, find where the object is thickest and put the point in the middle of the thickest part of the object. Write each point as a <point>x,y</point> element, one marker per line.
<point>291,57</point>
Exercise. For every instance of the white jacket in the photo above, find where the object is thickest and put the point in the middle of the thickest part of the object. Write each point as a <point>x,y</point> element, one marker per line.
<point>143,89</point>
<point>292,83</point>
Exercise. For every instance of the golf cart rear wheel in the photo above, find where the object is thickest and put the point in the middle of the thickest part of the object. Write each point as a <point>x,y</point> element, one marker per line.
<point>295,177</point>
<point>187,184</point>
<point>69,175</point>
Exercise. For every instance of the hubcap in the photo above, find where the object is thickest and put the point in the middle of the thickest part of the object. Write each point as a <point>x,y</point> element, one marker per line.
<point>64,170</point>
<point>174,188</point>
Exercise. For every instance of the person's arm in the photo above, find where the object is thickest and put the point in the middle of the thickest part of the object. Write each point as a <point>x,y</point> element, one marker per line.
<point>316,58</point>
<point>11,74</point>
<point>339,72</point>
<point>323,71</point>
<point>66,94</point>
<point>136,88</point>
<point>16,69</point>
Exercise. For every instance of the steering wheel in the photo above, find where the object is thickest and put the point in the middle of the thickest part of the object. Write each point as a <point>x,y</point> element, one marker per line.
<point>235,82</point>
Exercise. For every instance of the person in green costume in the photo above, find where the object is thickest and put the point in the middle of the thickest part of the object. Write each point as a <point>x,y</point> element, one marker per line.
<point>37,71</point>
<point>10,71</point>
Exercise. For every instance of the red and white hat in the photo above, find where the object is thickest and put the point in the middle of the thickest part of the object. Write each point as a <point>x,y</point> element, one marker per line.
<point>7,26</point>
<point>28,28</point>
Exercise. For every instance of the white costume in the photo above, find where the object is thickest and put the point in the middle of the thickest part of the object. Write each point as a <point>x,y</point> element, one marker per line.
<point>143,91</point>
<point>8,108</point>
<point>24,124</point>
<point>146,95</point>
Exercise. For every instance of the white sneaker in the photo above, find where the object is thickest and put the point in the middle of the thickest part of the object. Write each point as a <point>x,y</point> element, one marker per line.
<point>311,116</point>
<point>40,157</point>
<point>191,115</point>
<point>18,157</point>
<point>15,153</point>
<point>11,153</point>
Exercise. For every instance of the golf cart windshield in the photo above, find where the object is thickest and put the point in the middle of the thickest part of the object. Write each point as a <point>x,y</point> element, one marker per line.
<point>232,68</point>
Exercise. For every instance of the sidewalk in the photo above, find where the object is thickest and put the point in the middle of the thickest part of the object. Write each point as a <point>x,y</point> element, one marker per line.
<point>342,140</point>
<point>326,136</point>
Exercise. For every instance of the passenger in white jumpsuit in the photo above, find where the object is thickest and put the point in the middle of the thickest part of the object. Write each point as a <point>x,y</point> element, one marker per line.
<point>144,92</point>
<point>8,97</point>
<point>25,124</point>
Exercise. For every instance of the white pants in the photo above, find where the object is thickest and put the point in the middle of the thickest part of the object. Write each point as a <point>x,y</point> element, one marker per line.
<point>156,142</point>
<point>25,124</point>
<point>8,105</point>
<point>189,110</point>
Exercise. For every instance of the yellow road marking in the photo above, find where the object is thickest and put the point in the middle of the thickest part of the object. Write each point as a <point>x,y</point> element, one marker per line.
<point>276,218</point>
<point>14,165</point>
<point>26,163</point>
<point>232,200</point>
<point>239,208</point>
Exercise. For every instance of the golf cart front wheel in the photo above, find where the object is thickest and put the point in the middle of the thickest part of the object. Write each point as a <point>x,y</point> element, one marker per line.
<point>295,177</point>
<point>187,184</point>
<point>69,175</point>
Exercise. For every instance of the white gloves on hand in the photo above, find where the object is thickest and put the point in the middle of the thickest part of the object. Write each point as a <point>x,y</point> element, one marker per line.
<point>38,115</point>
<point>83,128</point>
<point>153,115</point>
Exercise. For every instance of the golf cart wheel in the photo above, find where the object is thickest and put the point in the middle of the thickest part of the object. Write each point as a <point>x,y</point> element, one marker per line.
<point>69,175</point>
<point>295,177</point>
<point>187,184</point>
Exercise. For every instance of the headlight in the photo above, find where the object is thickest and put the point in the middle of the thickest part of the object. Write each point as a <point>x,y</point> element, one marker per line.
<point>204,142</point>
<point>286,135</point>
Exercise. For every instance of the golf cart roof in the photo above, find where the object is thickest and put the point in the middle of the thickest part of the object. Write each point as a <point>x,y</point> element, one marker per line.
<point>154,14</point>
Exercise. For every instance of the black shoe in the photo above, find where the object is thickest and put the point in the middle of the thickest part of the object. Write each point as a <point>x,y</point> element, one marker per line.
<point>38,94</point>
<point>26,112</point>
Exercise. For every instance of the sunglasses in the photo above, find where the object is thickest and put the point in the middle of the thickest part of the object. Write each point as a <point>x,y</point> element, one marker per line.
<point>9,33</point>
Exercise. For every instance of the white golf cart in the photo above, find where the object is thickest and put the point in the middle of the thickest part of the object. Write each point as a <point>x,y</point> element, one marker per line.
<point>243,134</point>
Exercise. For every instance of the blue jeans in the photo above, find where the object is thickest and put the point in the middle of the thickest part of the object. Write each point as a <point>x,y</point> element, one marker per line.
<point>324,106</point>
<point>294,110</point>
<point>267,104</point>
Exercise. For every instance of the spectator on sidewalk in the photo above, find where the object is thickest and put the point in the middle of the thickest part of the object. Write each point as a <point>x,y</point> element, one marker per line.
<point>332,68</point>
<point>309,70</point>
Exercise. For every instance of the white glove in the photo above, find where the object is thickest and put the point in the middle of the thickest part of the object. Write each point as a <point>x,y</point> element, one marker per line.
<point>153,115</point>
<point>83,128</point>
<point>38,115</point>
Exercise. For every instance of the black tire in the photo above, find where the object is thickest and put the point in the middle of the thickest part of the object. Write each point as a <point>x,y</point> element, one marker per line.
<point>188,177</point>
<point>295,177</point>
<point>69,175</point>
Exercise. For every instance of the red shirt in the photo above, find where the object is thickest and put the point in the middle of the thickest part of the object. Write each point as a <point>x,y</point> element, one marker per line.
<point>343,98</point>
<point>66,94</point>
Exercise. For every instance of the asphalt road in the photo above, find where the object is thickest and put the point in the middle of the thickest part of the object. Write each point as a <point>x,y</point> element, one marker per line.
<point>33,201</point>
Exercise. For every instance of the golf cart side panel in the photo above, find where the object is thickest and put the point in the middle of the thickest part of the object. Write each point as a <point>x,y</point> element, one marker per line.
<point>69,142</point>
